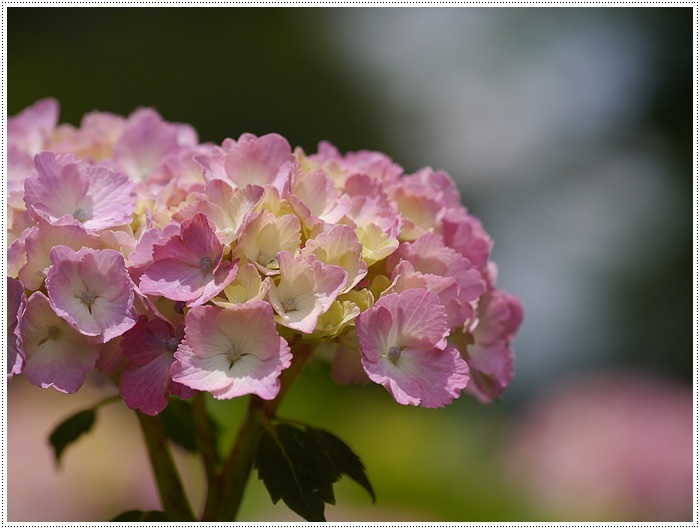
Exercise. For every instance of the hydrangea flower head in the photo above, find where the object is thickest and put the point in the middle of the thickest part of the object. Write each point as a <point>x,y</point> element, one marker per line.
<point>176,266</point>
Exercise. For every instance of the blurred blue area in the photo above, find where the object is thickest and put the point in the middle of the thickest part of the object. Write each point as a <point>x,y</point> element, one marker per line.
<point>568,131</point>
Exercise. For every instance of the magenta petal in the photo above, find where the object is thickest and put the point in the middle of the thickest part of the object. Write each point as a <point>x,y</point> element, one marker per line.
<point>145,387</point>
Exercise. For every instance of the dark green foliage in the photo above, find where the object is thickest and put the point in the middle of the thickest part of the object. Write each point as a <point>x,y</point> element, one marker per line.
<point>70,430</point>
<point>300,466</point>
<point>345,460</point>
<point>178,421</point>
<point>142,516</point>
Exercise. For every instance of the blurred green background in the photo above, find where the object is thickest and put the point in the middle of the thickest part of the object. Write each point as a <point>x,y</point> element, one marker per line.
<point>569,133</point>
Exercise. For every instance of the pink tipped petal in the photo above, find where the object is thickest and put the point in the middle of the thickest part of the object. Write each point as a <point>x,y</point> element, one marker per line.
<point>375,331</point>
<point>39,243</point>
<point>70,191</point>
<point>231,207</point>
<point>492,370</point>
<point>426,377</point>
<point>402,339</point>
<point>189,267</point>
<point>56,355</point>
<point>148,140</point>
<point>30,129</point>
<point>260,161</point>
<point>91,290</point>
<point>315,199</point>
<point>405,277</point>
<point>418,316</point>
<point>265,236</point>
<point>465,234</point>
<point>341,247</point>
<point>429,255</point>
<point>307,288</point>
<point>232,352</point>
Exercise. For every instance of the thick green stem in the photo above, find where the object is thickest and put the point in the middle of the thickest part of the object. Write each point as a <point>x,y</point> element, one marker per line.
<point>237,468</point>
<point>205,444</point>
<point>172,494</point>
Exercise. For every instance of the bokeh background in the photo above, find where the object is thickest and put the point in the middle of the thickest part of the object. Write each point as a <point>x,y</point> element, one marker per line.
<point>569,134</point>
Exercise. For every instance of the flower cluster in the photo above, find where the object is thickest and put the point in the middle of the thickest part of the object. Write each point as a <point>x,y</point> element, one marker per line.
<point>178,267</point>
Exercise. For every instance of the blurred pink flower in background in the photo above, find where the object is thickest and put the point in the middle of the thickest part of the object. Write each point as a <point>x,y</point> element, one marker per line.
<point>607,447</point>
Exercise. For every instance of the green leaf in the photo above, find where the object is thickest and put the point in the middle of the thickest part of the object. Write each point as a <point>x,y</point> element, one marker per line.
<point>344,459</point>
<point>142,516</point>
<point>70,430</point>
<point>178,421</point>
<point>295,468</point>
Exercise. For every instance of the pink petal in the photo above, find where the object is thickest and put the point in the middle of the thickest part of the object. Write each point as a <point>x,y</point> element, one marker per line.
<point>211,333</point>
<point>61,361</point>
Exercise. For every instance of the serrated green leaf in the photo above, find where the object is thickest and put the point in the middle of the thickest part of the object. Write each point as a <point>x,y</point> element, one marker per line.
<point>344,459</point>
<point>70,430</point>
<point>294,467</point>
<point>142,516</point>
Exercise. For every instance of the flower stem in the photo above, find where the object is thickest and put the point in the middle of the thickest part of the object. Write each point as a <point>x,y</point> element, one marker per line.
<point>237,468</point>
<point>172,494</point>
<point>205,444</point>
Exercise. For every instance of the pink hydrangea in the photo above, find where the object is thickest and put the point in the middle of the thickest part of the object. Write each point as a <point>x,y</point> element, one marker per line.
<point>232,352</point>
<point>189,267</point>
<point>147,141</point>
<point>490,355</point>
<point>127,235</point>
<point>91,290</point>
<point>56,354</point>
<point>150,348</point>
<point>27,134</point>
<point>404,348</point>
<point>306,290</point>
<point>262,161</point>
<point>66,190</point>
